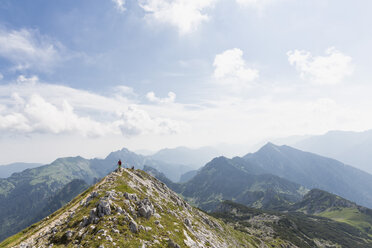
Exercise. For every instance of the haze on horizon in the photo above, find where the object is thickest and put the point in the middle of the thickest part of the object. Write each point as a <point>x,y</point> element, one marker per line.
<point>89,77</point>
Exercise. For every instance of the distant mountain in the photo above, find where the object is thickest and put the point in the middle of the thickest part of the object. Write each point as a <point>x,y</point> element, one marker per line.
<point>172,170</point>
<point>318,201</point>
<point>322,203</point>
<point>187,176</point>
<point>9,169</point>
<point>223,179</point>
<point>312,171</point>
<point>299,229</point>
<point>24,194</point>
<point>353,148</point>
<point>194,158</point>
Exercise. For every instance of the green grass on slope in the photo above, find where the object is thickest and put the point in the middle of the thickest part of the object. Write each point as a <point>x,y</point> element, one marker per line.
<point>352,217</point>
<point>29,231</point>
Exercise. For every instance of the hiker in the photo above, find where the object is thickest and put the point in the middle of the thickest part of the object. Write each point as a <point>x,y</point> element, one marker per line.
<point>119,164</point>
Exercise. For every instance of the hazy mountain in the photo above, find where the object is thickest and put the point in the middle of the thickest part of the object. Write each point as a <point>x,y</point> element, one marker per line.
<point>353,148</point>
<point>9,169</point>
<point>195,158</point>
<point>187,176</point>
<point>313,171</point>
<point>172,170</point>
<point>223,179</point>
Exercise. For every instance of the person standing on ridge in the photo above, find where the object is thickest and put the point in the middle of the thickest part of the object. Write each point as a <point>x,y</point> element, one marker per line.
<point>119,164</point>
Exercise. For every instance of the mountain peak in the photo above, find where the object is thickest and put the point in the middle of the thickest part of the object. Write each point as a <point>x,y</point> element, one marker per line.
<point>269,147</point>
<point>317,201</point>
<point>128,208</point>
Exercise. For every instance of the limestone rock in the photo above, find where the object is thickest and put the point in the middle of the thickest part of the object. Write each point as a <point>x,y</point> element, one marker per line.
<point>103,208</point>
<point>133,226</point>
<point>172,244</point>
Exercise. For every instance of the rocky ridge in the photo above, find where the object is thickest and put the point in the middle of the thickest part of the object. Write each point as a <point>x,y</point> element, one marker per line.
<point>129,208</point>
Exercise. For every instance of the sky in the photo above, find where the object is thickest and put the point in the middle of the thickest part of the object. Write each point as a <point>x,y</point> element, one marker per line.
<point>91,76</point>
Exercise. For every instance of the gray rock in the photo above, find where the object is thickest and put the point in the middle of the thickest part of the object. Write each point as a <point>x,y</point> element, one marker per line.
<point>108,238</point>
<point>132,197</point>
<point>120,210</point>
<point>188,222</point>
<point>69,234</point>
<point>133,226</point>
<point>103,231</point>
<point>157,216</point>
<point>172,244</point>
<point>24,245</point>
<point>93,216</point>
<point>92,195</point>
<point>103,208</point>
<point>85,221</point>
<point>112,195</point>
<point>145,211</point>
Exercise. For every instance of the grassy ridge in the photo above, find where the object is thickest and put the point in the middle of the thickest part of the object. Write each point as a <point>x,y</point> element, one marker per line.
<point>352,217</point>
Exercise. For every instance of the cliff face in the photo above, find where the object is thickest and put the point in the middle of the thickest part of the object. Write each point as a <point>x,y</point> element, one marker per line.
<point>129,208</point>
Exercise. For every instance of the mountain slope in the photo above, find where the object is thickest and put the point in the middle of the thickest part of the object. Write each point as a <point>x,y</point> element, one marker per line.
<point>9,169</point>
<point>349,147</point>
<point>297,228</point>
<point>322,203</point>
<point>129,208</point>
<point>223,179</point>
<point>313,171</point>
<point>24,194</point>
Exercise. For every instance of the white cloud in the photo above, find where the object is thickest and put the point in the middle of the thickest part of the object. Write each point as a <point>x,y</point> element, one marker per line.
<point>29,106</point>
<point>120,5</point>
<point>153,98</point>
<point>1,76</point>
<point>259,4</point>
<point>230,65</point>
<point>28,49</point>
<point>186,15</point>
<point>329,69</point>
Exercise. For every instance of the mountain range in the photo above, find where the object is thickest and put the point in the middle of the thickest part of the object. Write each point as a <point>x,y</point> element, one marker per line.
<point>130,208</point>
<point>9,169</point>
<point>312,171</point>
<point>352,148</point>
<point>274,176</point>
<point>271,178</point>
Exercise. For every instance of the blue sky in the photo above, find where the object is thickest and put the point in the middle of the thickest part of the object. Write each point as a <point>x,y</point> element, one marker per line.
<point>89,77</point>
